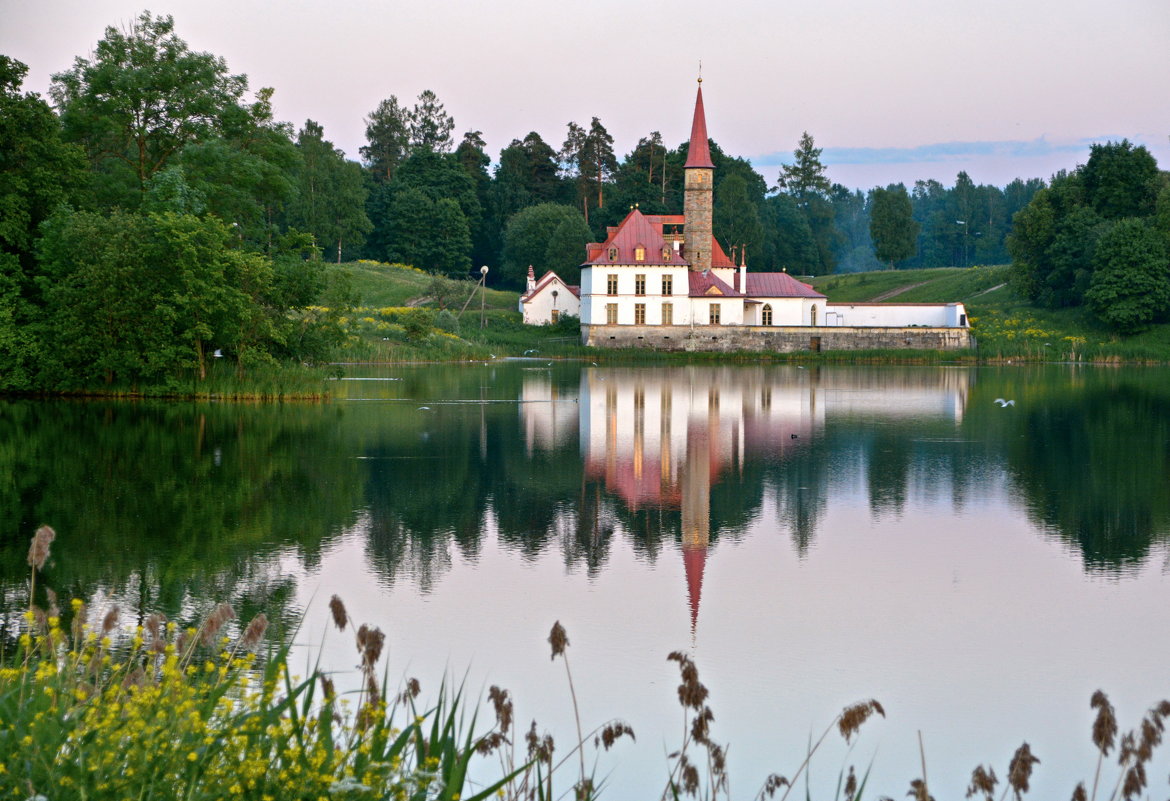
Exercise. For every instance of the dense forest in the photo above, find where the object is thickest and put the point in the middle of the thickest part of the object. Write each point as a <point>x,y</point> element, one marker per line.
<point>156,214</point>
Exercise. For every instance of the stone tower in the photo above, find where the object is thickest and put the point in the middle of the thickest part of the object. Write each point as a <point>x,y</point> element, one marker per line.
<point>698,192</point>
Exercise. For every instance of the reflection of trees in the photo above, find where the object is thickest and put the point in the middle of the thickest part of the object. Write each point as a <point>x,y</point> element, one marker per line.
<point>800,483</point>
<point>1094,468</point>
<point>887,472</point>
<point>158,504</point>
<point>435,476</point>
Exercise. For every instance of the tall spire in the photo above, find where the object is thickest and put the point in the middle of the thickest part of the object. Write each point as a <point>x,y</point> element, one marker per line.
<point>699,153</point>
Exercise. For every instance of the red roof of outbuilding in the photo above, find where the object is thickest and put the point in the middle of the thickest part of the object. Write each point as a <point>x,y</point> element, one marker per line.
<point>776,285</point>
<point>544,281</point>
<point>699,152</point>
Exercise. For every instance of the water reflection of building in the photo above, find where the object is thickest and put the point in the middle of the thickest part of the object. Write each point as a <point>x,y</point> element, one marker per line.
<point>548,416</point>
<point>664,438</point>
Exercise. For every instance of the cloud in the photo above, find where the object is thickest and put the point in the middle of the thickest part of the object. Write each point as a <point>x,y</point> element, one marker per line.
<point>944,152</point>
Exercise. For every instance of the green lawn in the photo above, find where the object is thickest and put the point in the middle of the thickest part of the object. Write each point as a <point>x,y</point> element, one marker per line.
<point>381,285</point>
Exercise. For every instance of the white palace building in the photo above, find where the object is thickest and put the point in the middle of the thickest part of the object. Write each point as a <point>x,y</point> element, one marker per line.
<point>663,281</point>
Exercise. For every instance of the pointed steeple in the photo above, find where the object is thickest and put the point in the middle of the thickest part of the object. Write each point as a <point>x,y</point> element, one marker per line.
<point>699,153</point>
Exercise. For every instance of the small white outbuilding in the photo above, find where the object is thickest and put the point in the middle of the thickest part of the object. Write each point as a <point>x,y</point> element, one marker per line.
<point>549,299</point>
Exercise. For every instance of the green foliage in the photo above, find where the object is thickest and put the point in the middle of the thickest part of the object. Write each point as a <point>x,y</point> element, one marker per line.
<point>248,174</point>
<point>547,237</point>
<point>892,225</point>
<point>736,217</point>
<point>1131,283</point>
<point>430,124</point>
<point>136,298</point>
<point>446,292</point>
<point>794,249</point>
<point>589,162</point>
<point>387,137</point>
<point>143,97</point>
<point>331,197</point>
<point>37,170</point>
<point>566,248</point>
<point>446,321</point>
<point>805,176</point>
<point>417,322</point>
<point>1105,203</point>
<point>1120,180</point>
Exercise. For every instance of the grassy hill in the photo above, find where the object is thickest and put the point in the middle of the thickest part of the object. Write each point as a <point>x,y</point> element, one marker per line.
<point>381,285</point>
<point>1004,324</point>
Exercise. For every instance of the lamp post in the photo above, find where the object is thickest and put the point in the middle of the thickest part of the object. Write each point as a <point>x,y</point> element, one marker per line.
<point>483,271</point>
<point>964,224</point>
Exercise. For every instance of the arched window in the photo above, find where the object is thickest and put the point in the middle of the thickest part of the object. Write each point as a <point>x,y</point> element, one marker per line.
<point>766,314</point>
<point>814,315</point>
<point>639,253</point>
<point>613,254</point>
<point>666,253</point>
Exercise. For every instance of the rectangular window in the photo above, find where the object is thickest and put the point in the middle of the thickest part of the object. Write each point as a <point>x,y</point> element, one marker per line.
<point>639,253</point>
<point>611,284</point>
<point>667,285</point>
<point>668,314</point>
<point>639,285</point>
<point>556,315</point>
<point>639,314</point>
<point>714,314</point>
<point>611,314</point>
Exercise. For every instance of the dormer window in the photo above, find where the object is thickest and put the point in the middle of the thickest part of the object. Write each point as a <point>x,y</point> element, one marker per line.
<point>666,253</point>
<point>613,254</point>
<point>639,253</point>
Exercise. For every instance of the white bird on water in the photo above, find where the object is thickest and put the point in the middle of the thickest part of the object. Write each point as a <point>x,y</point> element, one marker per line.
<point>1003,402</point>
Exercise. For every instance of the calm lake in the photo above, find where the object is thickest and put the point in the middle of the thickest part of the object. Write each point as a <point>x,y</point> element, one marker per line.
<point>811,537</point>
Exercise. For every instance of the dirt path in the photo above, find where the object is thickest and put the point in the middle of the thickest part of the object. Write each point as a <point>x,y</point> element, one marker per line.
<point>984,292</point>
<point>898,291</point>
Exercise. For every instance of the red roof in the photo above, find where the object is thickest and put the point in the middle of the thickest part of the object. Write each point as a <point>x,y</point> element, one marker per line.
<point>699,153</point>
<point>718,257</point>
<point>636,230</point>
<point>776,285</point>
<point>645,231</point>
<point>705,284</point>
<point>543,283</point>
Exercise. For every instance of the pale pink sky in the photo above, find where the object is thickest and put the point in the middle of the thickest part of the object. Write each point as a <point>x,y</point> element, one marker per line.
<point>893,90</point>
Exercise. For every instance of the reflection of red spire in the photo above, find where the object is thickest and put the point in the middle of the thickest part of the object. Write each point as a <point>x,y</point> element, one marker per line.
<point>694,560</point>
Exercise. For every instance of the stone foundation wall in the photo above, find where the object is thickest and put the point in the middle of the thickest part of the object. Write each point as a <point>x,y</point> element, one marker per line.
<point>786,339</point>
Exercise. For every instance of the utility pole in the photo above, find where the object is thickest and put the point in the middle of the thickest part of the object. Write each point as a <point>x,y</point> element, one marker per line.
<point>483,271</point>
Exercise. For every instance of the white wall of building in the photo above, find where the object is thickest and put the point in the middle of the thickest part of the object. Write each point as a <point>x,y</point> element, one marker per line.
<point>595,295</point>
<point>539,308</point>
<point>940,315</point>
